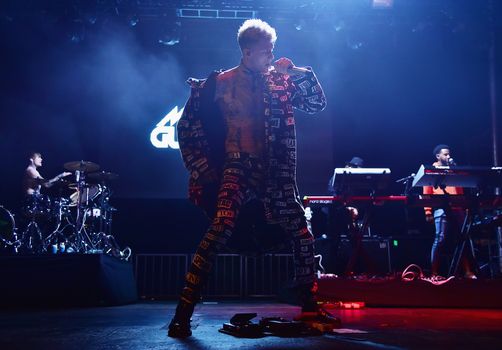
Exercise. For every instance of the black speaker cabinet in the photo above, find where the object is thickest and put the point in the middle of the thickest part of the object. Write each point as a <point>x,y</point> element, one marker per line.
<point>406,250</point>
<point>345,256</point>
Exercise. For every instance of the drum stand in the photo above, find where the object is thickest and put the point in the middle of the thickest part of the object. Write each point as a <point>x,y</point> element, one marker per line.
<point>31,234</point>
<point>63,222</point>
<point>81,242</point>
<point>105,221</point>
<point>14,244</point>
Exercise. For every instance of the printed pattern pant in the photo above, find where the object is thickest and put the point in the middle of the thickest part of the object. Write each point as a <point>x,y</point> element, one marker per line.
<point>243,180</point>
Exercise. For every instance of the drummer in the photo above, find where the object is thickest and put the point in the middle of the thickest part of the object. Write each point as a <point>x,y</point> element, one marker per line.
<point>33,181</point>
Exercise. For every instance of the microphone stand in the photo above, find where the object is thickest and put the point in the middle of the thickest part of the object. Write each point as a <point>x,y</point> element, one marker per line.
<point>407,183</point>
<point>408,180</point>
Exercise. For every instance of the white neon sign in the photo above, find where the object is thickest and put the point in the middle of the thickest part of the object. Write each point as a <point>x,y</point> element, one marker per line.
<point>164,135</point>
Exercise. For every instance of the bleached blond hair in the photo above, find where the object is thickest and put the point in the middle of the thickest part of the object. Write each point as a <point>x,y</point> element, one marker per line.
<point>254,30</point>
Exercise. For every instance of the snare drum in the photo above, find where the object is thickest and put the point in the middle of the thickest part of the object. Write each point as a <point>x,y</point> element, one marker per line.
<point>89,194</point>
<point>7,226</point>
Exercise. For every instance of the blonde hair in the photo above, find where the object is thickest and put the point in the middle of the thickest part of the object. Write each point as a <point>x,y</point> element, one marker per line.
<point>254,30</point>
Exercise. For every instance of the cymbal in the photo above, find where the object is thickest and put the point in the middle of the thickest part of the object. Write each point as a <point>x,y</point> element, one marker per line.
<point>103,176</point>
<point>81,165</point>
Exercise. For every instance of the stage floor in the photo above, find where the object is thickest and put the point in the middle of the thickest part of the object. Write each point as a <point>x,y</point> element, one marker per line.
<point>143,326</point>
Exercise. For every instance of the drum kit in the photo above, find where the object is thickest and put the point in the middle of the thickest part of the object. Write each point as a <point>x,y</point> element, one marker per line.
<point>78,223</point>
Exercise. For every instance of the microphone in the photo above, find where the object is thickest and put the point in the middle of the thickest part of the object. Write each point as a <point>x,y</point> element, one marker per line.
<point>451,162</point>
<point>294,70</point>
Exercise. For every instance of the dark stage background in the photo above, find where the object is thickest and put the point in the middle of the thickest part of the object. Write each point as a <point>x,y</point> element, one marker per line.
<point>90,81</point>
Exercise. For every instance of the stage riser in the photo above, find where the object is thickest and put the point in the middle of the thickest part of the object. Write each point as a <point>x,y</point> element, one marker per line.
<point>458,293</point>
<point>66,280</point>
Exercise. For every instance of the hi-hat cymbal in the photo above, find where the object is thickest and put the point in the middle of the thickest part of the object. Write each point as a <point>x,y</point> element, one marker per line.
<point>103,176</point>
<point>81,165</point>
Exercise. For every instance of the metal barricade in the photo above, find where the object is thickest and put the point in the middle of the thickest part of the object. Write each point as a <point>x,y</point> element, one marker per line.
<point>161,276</point>
<point>226,278</point>
<point>265,275</point>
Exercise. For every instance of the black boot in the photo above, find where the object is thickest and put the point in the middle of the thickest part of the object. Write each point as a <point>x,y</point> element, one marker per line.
<point>306,297</point>
<point>180,324</point>
<point>313,314</point>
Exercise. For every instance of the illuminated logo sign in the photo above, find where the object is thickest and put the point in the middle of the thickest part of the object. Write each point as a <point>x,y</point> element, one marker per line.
<point>164,134</point>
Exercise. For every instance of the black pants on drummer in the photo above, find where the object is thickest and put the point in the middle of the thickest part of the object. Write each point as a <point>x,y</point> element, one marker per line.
<point>243,180</point>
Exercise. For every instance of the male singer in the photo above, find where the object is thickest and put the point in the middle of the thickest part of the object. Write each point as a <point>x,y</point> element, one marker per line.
<point>237,139</point>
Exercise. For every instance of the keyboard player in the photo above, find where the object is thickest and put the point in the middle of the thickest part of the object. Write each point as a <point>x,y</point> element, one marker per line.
<point>447,221</point>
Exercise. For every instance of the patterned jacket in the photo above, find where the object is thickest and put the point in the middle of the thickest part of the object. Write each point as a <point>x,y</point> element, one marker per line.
<point>202,132</point>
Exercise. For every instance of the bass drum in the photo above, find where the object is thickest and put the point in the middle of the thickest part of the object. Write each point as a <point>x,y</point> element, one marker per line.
<point>7,226</point>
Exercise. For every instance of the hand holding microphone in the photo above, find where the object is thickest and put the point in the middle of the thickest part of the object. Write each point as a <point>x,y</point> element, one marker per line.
<point>286,66</point>
<point>451,162</point>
